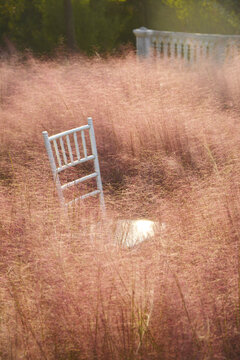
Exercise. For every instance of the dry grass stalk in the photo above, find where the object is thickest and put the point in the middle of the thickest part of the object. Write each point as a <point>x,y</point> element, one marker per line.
<point>169,148</point>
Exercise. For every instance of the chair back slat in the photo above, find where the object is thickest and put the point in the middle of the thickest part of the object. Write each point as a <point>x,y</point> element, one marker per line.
<point>57,153</point>
<point>68,132</point>
<point>70,159</point>
<point>80,180</point>
<point>84,144</point>
<point>76,145</point>
<point>69,148</point>
<point>63,151</point>
<point>85,196</point>
<point>82,160</point>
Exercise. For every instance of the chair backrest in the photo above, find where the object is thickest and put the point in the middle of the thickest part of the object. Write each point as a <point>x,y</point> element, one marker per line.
<point>64,149</point>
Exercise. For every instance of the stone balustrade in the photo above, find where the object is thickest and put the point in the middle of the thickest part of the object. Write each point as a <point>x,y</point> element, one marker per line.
<point>188,46</point>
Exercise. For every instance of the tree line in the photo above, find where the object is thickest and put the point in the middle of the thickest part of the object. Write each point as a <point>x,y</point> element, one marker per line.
<point>103,26</point>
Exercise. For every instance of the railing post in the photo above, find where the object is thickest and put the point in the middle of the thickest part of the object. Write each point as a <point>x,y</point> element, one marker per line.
<point>143,41</point>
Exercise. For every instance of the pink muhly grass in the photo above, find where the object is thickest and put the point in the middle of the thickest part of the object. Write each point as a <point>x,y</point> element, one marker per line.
<point>169,151</point>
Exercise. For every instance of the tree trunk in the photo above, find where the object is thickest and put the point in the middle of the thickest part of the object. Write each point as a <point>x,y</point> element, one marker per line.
<point>69,20</point>
<point>145,12</point>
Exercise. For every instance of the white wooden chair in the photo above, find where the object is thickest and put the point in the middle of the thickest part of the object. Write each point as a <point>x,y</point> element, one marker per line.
<point>64,149</point>
<point>64,152</point>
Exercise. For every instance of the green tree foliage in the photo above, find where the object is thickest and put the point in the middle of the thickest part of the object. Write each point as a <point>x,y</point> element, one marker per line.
<point>102,25</point>
<point>207,16</point>
<point>99,24</point>
<point>69,23</point>
<point>33,24</point>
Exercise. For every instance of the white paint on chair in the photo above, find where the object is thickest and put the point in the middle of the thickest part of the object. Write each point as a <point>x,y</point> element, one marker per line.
<point>67,153</point>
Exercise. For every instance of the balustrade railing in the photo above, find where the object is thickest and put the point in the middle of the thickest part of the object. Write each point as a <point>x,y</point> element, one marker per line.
<point>188,46</point>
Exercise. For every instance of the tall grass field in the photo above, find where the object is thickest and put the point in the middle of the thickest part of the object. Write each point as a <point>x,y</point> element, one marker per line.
<point>169,151</point>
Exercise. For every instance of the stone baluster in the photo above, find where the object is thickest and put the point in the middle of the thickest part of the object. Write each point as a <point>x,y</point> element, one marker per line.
<point>172,49</point>
<point>179,49</point>
<point>204,50</point>
<point>191,51</point>
<point>165,48</point>
<point>185,50</point>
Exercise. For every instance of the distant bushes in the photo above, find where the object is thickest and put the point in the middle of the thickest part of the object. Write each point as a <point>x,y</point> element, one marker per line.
<point>105,26</point>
